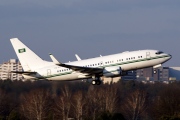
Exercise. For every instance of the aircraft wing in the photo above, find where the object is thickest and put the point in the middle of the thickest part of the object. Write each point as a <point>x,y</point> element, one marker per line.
<point>77,57</point>
<point>88,70</point>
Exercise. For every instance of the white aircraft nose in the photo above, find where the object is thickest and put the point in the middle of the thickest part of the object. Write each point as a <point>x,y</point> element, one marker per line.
<point>169,56</point>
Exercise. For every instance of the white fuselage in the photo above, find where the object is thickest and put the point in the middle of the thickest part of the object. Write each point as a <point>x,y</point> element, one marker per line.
<point>126,61</point>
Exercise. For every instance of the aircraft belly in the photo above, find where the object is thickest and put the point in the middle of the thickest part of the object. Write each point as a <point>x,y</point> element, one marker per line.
<point>64,77</point>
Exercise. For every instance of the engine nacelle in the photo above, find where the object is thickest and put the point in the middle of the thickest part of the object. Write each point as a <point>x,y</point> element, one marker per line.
<point>112,71</point>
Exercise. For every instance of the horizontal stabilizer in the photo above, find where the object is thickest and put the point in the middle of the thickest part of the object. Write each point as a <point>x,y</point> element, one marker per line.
<point>22,72</point>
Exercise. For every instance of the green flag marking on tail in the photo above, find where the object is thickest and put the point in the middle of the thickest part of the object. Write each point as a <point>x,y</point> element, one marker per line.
<point>22,50</point>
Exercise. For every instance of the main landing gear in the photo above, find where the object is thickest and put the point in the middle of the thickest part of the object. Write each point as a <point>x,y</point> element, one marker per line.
<point>96,81</point>
<point>155,71</point>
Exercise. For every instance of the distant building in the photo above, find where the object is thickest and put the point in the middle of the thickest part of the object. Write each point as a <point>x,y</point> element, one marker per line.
<point>163,73</point>
<point>7,67</point>
<point>144,74</point>
<point>111,80</point>
<point>131,75</point>
<point>151,74</point>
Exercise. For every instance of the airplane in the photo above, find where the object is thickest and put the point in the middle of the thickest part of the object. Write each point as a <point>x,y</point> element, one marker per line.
<point>94,68</point>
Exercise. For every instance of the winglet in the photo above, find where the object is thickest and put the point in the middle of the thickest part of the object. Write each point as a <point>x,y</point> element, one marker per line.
<point>77,57</point>
<point>55,61</point>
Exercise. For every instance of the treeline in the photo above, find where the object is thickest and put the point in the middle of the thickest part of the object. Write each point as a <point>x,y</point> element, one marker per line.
<point>125,100</point>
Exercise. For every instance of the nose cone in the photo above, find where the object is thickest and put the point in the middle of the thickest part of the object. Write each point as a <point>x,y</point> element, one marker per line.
<point>170,56</point>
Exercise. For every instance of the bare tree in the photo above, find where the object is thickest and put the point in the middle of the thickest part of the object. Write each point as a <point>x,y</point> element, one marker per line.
<point>35,104</point>
<point>8,103</point>
<point>111,98</point>
<point>135,104</point>
<point>2,100</point>
<point>63,104</point>
<point>167,103</point>
<point>102,99</point>
<point>78,104</point>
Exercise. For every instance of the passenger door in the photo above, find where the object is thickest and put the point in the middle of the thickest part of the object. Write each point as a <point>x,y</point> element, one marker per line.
<point>148,55</point>
<point>48,72</point>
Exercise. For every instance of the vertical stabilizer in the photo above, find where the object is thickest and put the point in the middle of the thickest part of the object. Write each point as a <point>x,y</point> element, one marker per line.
<point>28,59</point>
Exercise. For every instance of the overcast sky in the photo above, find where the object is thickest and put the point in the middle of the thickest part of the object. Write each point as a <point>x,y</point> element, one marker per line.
<point>90,27</point>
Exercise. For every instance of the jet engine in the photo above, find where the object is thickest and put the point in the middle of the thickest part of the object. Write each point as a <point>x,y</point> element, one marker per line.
<point>112,71</point>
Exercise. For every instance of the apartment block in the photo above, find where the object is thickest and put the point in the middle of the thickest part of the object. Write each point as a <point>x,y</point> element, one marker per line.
<point>7,67</point>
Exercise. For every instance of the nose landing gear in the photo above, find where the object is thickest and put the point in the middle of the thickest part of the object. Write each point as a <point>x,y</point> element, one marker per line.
<point>96,81</point>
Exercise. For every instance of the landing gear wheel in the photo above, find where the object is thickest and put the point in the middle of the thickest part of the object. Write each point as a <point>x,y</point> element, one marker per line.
<point>155,71</point>
<point>93,82</point>
<point>96,82</point>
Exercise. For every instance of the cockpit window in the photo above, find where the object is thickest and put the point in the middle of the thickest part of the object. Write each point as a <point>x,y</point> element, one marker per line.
<point>159,52</point>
